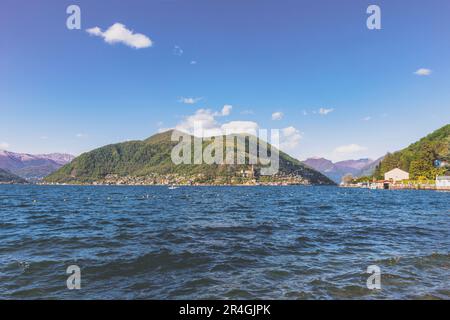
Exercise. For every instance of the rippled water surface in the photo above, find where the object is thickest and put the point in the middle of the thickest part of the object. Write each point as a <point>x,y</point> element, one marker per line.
<point>223,242</point>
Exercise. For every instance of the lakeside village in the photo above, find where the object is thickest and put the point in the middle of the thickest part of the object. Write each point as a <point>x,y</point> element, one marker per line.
<point>397,179</point>
<point>247,176</point>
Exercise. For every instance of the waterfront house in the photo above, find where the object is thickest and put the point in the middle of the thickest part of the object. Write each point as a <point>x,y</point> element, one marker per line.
<point>396,175</point>
<point>443,182</point>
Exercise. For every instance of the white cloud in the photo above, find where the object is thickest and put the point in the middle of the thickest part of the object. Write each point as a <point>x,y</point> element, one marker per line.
<point>349,149</point>
<point>233,127</point>
<point>305,113</point>
<point>226,110</point>
<point>4,145</point>
<point>96,31</point>
<point>118,33</point>
<point>205,119</point>
<point>324,111</point>
<point>368,118</point>
<point>202,118</point>
<point>277,115</point>
<point>190,100</point>
<point>81,135</point>
<point>423,72</point>
<point>177,51</point>
<point>290,138</point>
<point>193,62</point>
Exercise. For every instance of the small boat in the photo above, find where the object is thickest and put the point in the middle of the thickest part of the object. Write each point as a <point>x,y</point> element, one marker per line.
<point>173,187</point>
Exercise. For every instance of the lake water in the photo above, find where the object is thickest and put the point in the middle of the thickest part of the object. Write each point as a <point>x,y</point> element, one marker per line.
<point>223,242</point>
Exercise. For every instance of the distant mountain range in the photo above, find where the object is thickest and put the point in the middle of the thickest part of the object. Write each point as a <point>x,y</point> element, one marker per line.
<point>335,171</point>
<point>32,167</point>
<point>149,162</point>
<point>8,177</point>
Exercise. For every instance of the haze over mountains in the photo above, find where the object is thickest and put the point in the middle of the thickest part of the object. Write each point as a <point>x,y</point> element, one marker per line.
<point>335,171</point>
<point>32,167</point>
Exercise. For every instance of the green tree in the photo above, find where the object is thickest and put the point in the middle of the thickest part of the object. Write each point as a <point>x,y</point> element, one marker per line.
<point>421,168</point>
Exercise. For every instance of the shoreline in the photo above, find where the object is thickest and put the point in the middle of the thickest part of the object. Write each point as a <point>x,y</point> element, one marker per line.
<point>398,188</point>
<point>169,185</point>
<point>175,185</point>
<point>213,185</point>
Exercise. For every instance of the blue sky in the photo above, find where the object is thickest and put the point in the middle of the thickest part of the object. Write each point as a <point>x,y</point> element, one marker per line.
<point>338,89</point>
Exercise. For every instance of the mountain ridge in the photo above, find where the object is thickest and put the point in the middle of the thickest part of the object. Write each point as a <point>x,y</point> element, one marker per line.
<point>149,162</point>
<point>8,177</point>
<point>32,167</point>
<point>337,170</point>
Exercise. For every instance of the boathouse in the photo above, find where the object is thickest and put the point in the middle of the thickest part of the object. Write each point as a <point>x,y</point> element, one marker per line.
<point>396,175</point>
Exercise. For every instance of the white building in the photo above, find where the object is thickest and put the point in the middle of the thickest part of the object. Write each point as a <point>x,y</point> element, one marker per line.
<point>443,182</point>
<point>396,175</point>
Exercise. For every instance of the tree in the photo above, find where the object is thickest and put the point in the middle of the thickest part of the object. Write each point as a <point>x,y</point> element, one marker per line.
<point>421,168</point>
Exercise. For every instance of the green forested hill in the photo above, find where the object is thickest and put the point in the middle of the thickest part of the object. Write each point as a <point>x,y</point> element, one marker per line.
<point>152,158</point>
<point>418,158</point>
